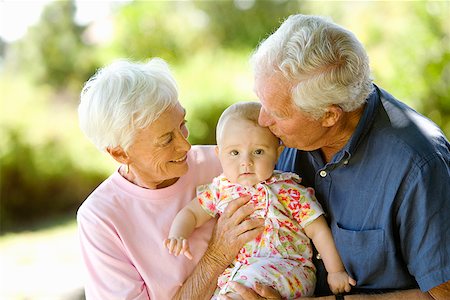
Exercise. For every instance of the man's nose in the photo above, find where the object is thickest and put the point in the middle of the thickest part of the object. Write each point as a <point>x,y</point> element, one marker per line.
<point>264,119</point>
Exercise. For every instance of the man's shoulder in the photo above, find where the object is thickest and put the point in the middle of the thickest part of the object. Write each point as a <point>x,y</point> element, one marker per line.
<point>408,132</point>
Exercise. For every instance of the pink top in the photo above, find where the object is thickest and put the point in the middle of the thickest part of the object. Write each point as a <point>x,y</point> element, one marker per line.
<point>122,228</point>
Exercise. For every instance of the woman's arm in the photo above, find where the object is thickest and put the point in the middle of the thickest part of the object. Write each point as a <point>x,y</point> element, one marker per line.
<point>232,231</point>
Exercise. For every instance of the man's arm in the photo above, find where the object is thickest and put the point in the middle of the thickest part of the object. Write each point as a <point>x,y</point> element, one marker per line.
<point>232,231</point>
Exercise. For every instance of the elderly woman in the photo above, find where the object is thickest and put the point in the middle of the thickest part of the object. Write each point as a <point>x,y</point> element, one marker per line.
<point>131,111</point>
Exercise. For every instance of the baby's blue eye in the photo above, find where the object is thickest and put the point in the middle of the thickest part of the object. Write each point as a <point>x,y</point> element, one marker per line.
<point>259,151</point>
<point>234,152</point>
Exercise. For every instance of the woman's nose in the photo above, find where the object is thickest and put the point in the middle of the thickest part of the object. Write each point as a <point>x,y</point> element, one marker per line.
<point>182,142</point>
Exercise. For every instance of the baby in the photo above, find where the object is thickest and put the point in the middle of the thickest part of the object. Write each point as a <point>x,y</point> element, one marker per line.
<point>281,257</point>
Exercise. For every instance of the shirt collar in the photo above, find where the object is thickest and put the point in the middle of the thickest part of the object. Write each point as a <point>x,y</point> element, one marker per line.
<point>364,125</point>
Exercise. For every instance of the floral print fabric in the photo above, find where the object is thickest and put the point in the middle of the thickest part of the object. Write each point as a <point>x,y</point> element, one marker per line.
<point>287,207</point>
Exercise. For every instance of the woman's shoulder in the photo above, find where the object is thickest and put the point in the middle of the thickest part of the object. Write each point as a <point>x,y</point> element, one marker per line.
<point>204,155</point>
<point>203,163</point>
<point>100,201</point>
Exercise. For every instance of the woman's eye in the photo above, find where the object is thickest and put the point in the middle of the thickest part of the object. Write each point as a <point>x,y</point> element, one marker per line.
<point>167,141</point>
<point>259,151</point>
<point>234,152</point>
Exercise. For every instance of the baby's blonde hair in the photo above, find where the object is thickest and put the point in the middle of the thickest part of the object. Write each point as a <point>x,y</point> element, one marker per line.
<point>248,111</point>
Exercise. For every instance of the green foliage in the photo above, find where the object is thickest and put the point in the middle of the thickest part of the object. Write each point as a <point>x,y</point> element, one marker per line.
<point>48,167</point>
<point>39,181</point>
<point>53,52</point>
<point>243,24</point>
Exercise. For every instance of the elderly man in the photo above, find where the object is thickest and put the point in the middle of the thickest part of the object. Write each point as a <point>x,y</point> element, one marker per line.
<point>380,169</point>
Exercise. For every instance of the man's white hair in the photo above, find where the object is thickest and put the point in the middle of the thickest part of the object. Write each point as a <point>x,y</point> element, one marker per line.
<point>325,63</point>
<point>123,97</point>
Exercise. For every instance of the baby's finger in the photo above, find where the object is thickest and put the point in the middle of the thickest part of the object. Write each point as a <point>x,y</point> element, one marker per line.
<point>352,281</point>
<point>178,247</point>
<point>186,251</point>
<point>172,246</point>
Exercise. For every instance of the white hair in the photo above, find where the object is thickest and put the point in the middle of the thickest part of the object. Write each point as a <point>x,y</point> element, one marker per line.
<point>325,63</point>
<point>123,97</point>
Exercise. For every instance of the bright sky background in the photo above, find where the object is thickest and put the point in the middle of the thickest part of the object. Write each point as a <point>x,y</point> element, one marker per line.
<point>17,15</point>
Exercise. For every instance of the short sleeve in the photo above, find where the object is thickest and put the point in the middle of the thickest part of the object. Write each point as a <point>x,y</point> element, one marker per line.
<point>424,223</point>
<point>110,274</point>
<point>301,202</point>
<point>207,197</point>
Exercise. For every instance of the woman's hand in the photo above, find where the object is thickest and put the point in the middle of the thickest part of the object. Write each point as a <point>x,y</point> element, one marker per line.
<point>259,291</point>
<point>234,228</point>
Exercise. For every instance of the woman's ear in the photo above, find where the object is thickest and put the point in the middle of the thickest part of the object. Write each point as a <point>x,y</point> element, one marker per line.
<point>332,116</point>
<point>119,154</point>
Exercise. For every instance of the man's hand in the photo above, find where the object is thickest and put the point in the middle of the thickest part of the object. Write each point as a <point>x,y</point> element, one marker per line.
<point>259,291</point>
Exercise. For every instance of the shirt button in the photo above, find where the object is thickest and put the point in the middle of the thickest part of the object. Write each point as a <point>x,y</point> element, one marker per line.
<point>323,173</point>
<point>318,256</point>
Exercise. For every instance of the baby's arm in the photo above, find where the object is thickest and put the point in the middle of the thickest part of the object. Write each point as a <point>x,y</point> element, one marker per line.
<point>187,219</point>
<point>338,279</point>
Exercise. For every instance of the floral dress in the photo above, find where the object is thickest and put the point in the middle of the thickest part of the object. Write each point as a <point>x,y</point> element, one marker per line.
<point>281,257</point>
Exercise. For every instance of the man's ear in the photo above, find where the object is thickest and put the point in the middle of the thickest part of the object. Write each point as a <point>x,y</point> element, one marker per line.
<point>331,116</point>
<point>119,154</point>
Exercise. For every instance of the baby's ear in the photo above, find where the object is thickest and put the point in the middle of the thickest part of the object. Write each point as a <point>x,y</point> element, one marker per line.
<point>279,150</point>
<point>216,149</point>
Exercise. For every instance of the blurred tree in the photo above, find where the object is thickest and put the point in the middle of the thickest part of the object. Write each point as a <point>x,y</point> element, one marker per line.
<point>52,51</point>
<point>435,65</point>
<point>166,29</point>
<point>244,23</point>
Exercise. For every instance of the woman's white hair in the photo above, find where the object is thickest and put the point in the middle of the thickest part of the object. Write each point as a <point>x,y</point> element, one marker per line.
<point>325,63</point>
<point>123,97</point>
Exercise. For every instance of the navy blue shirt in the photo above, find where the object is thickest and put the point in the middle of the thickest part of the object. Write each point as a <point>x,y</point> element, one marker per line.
<point>386,195</point>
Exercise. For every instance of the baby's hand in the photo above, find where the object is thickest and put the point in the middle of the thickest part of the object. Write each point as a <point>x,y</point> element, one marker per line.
<point>340,282</point>
<point>177,246</point>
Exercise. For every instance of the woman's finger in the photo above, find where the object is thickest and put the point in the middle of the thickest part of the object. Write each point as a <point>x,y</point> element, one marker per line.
<point>266,291</point>
<point>234,205</point>
<point>249,224</point>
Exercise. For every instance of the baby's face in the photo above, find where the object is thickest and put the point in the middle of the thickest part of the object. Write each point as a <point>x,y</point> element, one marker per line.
<point>248,153</point>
